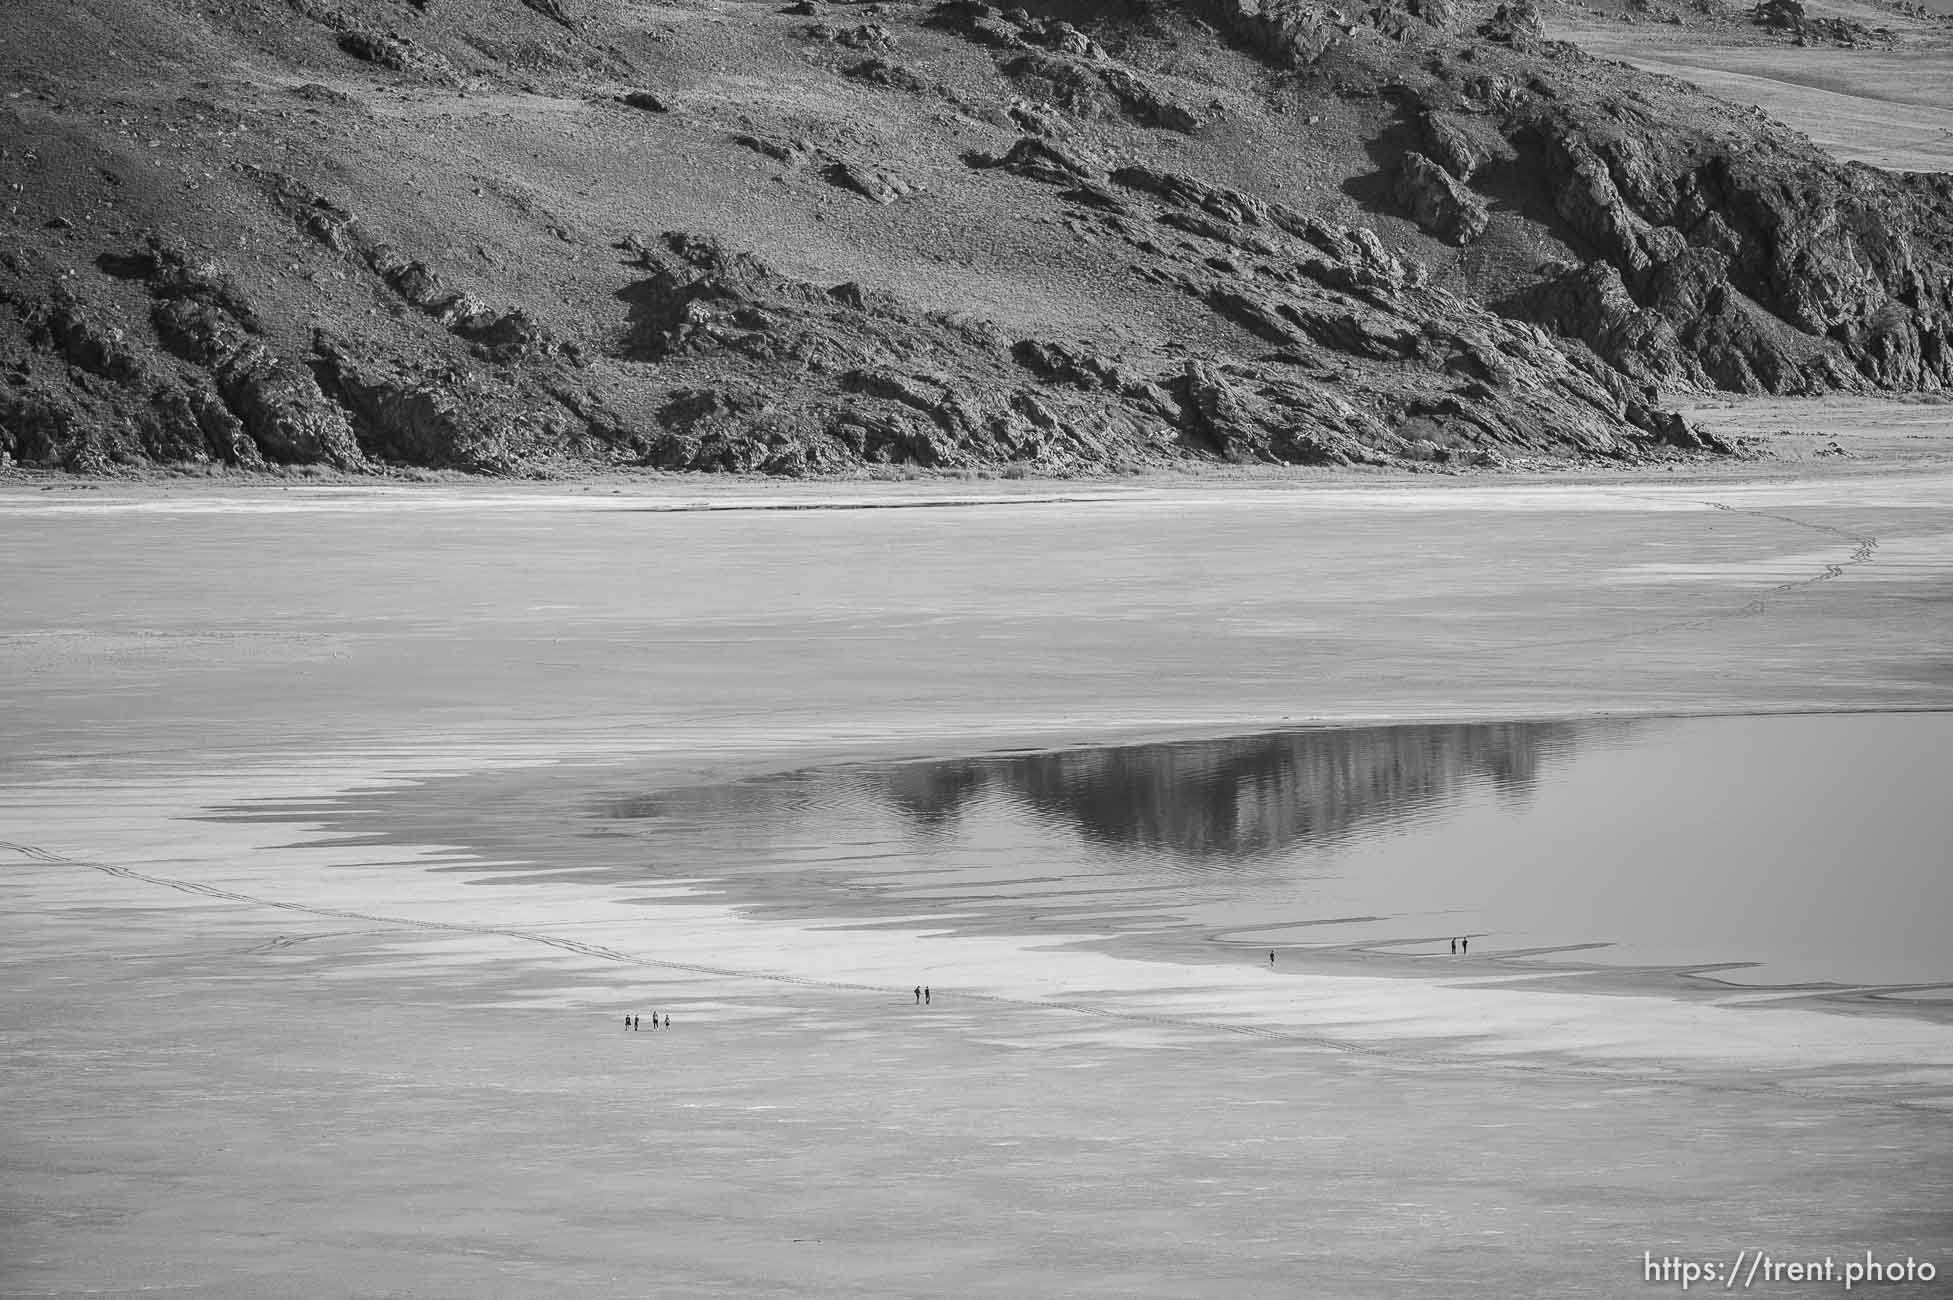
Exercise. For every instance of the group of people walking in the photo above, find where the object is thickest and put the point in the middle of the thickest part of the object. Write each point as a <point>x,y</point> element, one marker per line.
<point>922,995</point>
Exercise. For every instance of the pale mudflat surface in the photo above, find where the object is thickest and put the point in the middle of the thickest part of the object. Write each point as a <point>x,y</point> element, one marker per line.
<point>260,1041</point>
<point>1889,105</point>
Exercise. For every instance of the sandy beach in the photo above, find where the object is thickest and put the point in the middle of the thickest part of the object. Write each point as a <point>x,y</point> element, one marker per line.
<point>317,974</point>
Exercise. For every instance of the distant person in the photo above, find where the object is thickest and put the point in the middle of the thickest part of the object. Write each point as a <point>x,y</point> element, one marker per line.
<point>925,995</point>
<point>1454,947</point>
<point>667,1020</point>
<point>627,1022</point>
<point>1468,945</point>
<point>1271,956</point>
<point>918,995</point>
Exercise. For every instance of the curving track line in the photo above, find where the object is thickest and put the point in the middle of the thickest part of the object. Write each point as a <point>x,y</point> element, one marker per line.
<point>1388,1054</point>
<point>1863,549</point>
<point>602,953</point>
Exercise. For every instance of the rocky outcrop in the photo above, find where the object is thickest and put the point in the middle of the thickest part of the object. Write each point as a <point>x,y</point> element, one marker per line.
<point>277,402</point>
<point>393,52</point>
<point>863,36</point>
<point>1448,145</point>
<point>503,335</point>
<point>1436,200</point>
<point>1374,367</point>
<point>793,152</point>
<point>201,317</point>
<point>1014,29</point>
<point>719,322</point>
<point>88,338</point>
<point>553,10</point>
<point>446,418</point>
<point>1776,272</point>
<point>381,45</point>
<point>1141,213</point>
<point>1302,33</point>
<point>1790,18</point>
<point>880,72</point>
<point>1744,260</point>
<point>508,334</point>
<point>1591,304</point>
<point>1092,89</point>
<point>1042,160</point>
<point>875,184</point>
<point>1516,25</point>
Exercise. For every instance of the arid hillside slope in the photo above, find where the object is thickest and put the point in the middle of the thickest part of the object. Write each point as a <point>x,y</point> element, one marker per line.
<point>540,236</point>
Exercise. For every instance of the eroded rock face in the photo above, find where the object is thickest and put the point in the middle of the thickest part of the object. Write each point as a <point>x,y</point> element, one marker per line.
<point>1373,367</point>
<point>1628,254</point>
<point>875,184</point>
<point>445,418</point>
<point>393,52</point>
<point>1517,25</point>
<point>1014,29</point>
<point>278,403</point>
<point>1302,33</point>
<point>1450,146</point>
<point>1789,17</point>
<point>1090,88</point>
<point>246,405</point>
<point>1043,160</point>
<point>863,36</point>
<point>1437,201</point>
<point>1590,303</point>
<point>1776,273</point>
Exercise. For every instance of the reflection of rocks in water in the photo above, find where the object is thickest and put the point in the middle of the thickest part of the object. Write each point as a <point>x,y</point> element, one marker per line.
<point>931,795</point>
<point>1199,799</point>
<point>1237,798</point>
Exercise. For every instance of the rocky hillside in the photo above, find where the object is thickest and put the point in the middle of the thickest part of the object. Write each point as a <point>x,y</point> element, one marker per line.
<point>543,236</point>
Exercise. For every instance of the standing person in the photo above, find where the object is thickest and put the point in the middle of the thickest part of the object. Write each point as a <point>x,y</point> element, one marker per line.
<point>925,995</point>
<point>1468,945</point>
<point>1271,956</point>
<point>918,995</point>
<point>627,1022</point>
<point>1454,947</point>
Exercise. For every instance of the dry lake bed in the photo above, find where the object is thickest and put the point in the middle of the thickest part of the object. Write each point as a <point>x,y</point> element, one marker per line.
<point>343,827</point>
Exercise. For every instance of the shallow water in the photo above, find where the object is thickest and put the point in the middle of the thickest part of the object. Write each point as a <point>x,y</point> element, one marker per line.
<point>1780,849</point>
<point>342,828</point>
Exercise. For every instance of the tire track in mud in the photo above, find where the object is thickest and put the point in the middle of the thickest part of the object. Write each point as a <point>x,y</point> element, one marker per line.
<point>1864,548</point>
<point>1387,1054</point>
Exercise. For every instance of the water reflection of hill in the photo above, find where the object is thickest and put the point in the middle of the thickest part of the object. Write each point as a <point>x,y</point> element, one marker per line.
<point>1200,800</point>
<point>1240,797</point>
